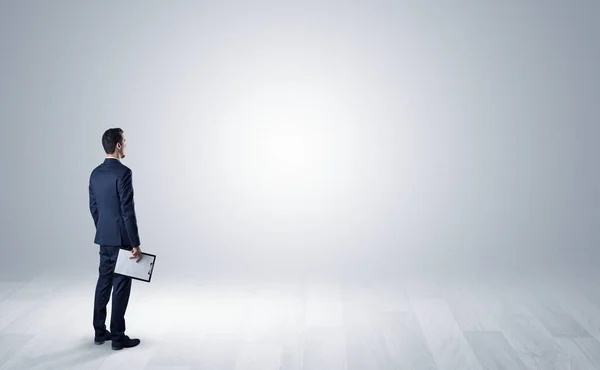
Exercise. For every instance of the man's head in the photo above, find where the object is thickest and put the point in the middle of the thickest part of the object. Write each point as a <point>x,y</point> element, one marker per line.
<point>114,142</point>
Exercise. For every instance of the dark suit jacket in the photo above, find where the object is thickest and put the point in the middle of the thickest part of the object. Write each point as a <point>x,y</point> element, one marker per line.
<point>112,205</point>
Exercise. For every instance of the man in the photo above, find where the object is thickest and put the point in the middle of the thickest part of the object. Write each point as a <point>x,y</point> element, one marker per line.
<point>113,211</point>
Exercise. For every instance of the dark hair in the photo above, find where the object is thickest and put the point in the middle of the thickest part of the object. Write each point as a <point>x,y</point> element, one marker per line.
<point>111,138</point>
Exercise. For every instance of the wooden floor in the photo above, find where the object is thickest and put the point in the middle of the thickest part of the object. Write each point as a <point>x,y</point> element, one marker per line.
<point>45,323</point>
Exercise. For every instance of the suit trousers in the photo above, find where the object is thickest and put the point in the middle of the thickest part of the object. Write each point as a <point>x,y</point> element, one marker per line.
<point>121,289</point>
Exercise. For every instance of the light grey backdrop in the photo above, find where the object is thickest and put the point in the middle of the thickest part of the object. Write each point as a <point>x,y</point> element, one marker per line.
<point>304,137</point>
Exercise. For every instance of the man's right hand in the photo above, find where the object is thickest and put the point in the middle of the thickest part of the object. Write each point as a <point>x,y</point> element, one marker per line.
<point>136,252</point>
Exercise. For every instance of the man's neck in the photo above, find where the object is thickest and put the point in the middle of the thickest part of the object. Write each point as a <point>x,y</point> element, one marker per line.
<point>113,157</point>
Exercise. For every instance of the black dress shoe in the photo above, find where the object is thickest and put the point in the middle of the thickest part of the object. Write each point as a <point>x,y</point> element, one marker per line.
<point>100,339</point>
<point>125,343</point>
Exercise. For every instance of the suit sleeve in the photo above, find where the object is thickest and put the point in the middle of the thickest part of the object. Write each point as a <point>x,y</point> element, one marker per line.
<point>93,204</point>
<point>125,188</point>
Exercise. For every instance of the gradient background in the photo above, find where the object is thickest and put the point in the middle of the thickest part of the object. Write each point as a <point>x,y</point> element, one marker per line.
<point>281,139</point>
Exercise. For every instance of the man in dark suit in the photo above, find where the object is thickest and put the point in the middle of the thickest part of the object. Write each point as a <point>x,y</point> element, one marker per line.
<point>113,210</point>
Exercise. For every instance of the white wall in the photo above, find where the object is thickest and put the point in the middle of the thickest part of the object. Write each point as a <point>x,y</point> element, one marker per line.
<point>464,132</point>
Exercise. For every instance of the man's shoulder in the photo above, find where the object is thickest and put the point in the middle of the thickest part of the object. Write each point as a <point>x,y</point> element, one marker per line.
<point>95,170</point>
<point>122,171</point>
<point>124,168</point>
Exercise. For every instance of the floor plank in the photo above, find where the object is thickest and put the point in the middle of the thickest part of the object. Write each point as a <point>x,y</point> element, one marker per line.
<point>365,341</point>
<point>473,307</point>
<point>557,321</point>
<point>582,355</point>
<point>325,349</point>
<point>11,344</point>
<point>493,351</point>
<point>405,341</point>
<point>449,347</point>
<point>536,347</point>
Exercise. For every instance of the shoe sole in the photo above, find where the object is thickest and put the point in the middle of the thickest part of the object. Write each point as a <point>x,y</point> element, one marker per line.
<point>120,348</point>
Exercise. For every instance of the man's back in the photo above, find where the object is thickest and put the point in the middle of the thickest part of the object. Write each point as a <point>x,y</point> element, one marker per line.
<point>112,205</point>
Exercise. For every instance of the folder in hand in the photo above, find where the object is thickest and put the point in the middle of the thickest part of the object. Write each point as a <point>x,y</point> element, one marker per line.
<point>139,270</point>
